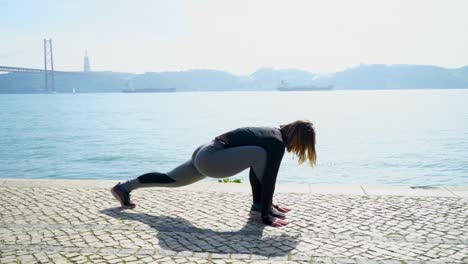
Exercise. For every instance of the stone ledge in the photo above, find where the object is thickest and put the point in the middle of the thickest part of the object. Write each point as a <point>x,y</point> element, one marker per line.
<point>332,189</point>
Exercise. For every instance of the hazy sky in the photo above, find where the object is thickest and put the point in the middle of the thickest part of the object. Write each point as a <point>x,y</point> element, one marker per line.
<point>238,36</point>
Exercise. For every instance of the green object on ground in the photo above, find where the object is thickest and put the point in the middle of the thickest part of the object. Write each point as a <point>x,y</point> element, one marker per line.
<point>227,180</point>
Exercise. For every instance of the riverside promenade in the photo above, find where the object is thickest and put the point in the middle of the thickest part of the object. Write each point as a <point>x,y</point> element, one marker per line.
<point>79,221</point>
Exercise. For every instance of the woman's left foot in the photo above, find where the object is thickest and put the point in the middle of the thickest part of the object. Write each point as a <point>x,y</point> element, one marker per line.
<point>123,197</point>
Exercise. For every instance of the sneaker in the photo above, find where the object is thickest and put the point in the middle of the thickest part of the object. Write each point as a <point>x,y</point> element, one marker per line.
<point>122,196</point>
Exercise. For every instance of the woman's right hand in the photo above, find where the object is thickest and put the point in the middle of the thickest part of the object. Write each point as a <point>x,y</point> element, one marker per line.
<point>279,222</point>
<point>274,221</point>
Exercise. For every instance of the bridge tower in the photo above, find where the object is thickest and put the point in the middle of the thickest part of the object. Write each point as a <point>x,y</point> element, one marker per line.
<point>49,67</point>
<point>86,65</point>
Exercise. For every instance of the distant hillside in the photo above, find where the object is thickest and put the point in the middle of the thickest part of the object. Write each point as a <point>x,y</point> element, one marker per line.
<point>192,80</point>
<point>379,76</point>
<point>376,76</point>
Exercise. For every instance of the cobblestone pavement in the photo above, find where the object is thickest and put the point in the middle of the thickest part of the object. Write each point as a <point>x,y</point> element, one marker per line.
<point>65,225</point>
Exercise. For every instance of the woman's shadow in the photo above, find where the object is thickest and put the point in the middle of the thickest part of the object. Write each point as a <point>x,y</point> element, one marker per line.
<point>178,234</point>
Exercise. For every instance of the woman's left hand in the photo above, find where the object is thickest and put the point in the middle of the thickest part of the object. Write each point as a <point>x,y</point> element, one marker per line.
<point>281,208</point>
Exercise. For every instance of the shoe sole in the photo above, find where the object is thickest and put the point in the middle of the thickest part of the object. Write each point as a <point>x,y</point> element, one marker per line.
<point>117,197</point>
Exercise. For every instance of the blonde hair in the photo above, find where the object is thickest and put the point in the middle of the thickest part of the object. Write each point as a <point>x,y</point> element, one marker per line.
<point>300,139</point>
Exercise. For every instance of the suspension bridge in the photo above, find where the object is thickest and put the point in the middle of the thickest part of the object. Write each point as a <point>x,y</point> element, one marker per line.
<point>48,71</point>
<point>19,69</point>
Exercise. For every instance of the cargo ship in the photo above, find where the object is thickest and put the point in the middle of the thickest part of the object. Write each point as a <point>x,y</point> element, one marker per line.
<point>150,90</point>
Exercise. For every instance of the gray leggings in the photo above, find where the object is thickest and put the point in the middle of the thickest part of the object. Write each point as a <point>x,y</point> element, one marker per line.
<point>208,160</point>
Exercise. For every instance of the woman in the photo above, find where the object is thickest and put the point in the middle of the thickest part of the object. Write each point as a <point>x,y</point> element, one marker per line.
<point>259,148</point>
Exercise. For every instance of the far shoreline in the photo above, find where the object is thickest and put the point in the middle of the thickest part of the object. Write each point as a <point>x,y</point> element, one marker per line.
<point>238,91</point>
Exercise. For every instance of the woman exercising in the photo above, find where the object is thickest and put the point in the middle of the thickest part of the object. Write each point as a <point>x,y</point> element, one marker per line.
<point>259,148</point>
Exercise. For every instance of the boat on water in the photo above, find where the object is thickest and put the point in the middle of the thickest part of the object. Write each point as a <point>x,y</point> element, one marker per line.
<point>310,87</point>
<point>150,90</point>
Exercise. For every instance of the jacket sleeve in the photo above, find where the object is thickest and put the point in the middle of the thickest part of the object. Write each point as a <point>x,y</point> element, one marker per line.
<point>275,152</point>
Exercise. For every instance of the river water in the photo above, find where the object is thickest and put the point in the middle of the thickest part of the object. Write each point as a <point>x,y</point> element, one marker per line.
<point>401,137</point>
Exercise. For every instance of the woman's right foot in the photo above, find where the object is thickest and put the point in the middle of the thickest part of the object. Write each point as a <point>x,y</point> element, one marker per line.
<point>122,196</point>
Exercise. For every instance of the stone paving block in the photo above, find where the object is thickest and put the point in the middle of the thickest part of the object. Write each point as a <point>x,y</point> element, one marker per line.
<point>258,257</point>
<point>322,260</point>
<point>240,256</point>
<point>219,256</point>
<point>345,261</point>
